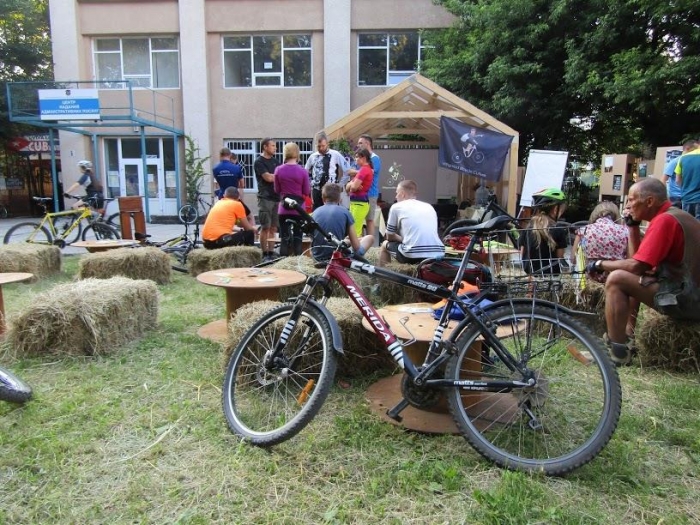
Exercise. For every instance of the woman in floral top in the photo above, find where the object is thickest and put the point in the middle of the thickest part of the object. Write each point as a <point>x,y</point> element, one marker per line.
<point>603,238</point>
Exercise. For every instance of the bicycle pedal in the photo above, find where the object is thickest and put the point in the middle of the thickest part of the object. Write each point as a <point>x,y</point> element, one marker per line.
<point>393,413</point>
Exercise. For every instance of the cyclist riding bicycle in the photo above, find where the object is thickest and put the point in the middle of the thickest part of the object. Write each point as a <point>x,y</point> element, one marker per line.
<point>93,186</point>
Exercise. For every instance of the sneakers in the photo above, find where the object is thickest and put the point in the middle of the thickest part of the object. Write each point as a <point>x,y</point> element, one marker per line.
<point>620,353</point>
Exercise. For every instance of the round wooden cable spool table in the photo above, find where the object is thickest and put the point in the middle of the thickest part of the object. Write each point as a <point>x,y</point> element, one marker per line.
<point>104,245</point>
<point>243,286</point>
<point>386,393</point>
<point>7,278</point>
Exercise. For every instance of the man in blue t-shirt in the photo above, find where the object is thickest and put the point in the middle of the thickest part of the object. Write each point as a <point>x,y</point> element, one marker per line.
<point>674,189</point>
<point>228,173</point>
<point>688,178</point>
<point>335,219</point>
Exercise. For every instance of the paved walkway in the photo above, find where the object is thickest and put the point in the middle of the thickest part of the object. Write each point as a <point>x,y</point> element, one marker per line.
<point>158,232</point>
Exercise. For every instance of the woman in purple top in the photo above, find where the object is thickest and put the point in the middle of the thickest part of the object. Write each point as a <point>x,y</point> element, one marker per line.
<point>291,180</point>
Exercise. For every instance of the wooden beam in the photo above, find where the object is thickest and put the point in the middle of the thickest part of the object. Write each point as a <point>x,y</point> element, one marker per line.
<point>413,114</point>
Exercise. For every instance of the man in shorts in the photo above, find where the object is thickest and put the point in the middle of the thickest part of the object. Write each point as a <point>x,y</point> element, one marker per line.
<point>411,229</point>
<point>664,271</point>
<point>264,167</point>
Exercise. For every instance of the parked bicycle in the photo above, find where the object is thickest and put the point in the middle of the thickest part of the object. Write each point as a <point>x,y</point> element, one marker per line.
<point>3,212</point>
<point>192,212</point>
<point>178,247</point>
<point>63,227</point>
<point>12,388</point>
<point>567,392</point>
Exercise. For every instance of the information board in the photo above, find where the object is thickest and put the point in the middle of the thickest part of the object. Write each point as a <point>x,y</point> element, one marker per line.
<point>545,169</point>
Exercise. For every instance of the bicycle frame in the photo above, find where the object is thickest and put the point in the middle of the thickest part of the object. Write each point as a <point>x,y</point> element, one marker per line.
<point>49,217</point>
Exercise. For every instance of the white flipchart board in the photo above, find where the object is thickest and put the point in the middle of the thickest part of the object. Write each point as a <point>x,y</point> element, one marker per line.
<point>545,169</point>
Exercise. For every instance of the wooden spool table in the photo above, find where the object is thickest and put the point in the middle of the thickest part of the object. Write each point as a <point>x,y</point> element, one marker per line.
<point>416,320</point>
<point>104,245</point>
<point>7,278</point>
<point>243,286</point>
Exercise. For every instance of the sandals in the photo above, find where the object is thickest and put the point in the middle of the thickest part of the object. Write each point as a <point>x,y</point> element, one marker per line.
<point>620,353</point>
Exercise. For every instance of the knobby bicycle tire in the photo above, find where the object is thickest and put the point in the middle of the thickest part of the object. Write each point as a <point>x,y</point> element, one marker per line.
<point>114,221</point>
<point>573,409</point>
<point>12,388</point>
<point>268,406</point>
<point>98,231</point>
<point>62,223</point>
<point>30,232</point>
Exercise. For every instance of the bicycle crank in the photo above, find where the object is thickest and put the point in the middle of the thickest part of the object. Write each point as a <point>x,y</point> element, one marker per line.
<point>419,396</point>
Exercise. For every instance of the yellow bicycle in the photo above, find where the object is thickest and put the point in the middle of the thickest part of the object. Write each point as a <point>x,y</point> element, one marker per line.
<point>63,227</point>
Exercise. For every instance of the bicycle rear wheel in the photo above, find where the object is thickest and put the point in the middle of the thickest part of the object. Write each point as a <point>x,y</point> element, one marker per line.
<point>268,405</point>
<point>114,221</point>
<point>188,214</point>
<point>554,426</point>
<point>99,231</point>
<point>31,232</point>
<point>12,388</point>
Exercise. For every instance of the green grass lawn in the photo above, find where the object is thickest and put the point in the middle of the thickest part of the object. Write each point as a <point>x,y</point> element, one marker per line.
<point>139,437</point>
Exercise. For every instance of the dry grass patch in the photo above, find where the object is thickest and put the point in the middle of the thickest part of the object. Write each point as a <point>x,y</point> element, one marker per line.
<point>134,263</point>
<point>40,260</point>
<point>200,261</point>
<point>89,317</point>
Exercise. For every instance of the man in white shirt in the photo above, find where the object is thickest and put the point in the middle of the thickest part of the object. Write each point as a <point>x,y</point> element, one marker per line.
<point>324,165</point>
<point>411,229</point>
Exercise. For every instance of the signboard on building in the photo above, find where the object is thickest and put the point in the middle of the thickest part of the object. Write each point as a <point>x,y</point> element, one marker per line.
<point>69,104</point>
<point>38,143</point>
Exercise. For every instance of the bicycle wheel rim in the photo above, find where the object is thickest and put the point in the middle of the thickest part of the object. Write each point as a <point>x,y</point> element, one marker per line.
<point>100,231</point>
<point>576,403</point>
<point>188,214</point>
<point>268,407</point>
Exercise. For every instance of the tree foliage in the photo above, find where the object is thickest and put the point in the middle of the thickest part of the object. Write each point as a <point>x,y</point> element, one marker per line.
<point>25,49</point>
<point>588,77</point>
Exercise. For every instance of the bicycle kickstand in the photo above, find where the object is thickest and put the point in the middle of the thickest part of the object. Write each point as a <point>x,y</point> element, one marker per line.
<point>393,413</point>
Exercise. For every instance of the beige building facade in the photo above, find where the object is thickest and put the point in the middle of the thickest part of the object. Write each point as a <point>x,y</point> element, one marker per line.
<point>234,71</point>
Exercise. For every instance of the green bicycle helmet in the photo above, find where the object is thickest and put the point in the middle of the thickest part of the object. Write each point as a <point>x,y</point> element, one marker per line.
<point>548,197</point>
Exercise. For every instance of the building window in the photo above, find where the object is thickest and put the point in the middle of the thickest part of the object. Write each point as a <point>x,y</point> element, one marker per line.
<point>146,62</point>
<point>257,61</point>
<point>385,59</point>
<point>248,150</point>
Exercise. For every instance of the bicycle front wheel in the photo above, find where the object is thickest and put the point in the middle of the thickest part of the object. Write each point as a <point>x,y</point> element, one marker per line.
<point>31,232</point>
<point>99,231</point>
<point>554,426</point>
<point>268,405</point>
<point>188,214</point>
<point>12,388</point>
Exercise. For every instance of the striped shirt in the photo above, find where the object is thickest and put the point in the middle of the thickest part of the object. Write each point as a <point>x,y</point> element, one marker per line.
<point>417,224</point>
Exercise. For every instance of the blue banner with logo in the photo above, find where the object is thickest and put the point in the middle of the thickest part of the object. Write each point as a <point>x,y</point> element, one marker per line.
<point>472,150</point>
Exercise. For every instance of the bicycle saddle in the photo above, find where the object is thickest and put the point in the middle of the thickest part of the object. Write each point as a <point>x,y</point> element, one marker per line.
<point>497,223</point>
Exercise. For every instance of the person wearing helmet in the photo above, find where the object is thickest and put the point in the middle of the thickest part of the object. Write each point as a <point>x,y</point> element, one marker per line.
<point>93,186</point>
<point>542,244</point>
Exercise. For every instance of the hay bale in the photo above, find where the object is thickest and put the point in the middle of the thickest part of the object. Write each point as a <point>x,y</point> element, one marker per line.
<point>40,260</point>
<point>89,317</point>
<point>200,261</point>
<point>593,301</point>
<point>668,343</point>
<point>391,293</point>
<point>141,263</point>
<point>363,352</point>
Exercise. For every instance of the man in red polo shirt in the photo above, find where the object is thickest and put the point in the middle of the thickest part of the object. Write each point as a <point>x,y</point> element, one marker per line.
<point>226,224</point>
<point>663,273</point>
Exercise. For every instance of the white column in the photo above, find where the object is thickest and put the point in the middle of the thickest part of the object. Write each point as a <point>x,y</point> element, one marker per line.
<point>65,45</point>
<point>336,60</point>
<point>193,66</point>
